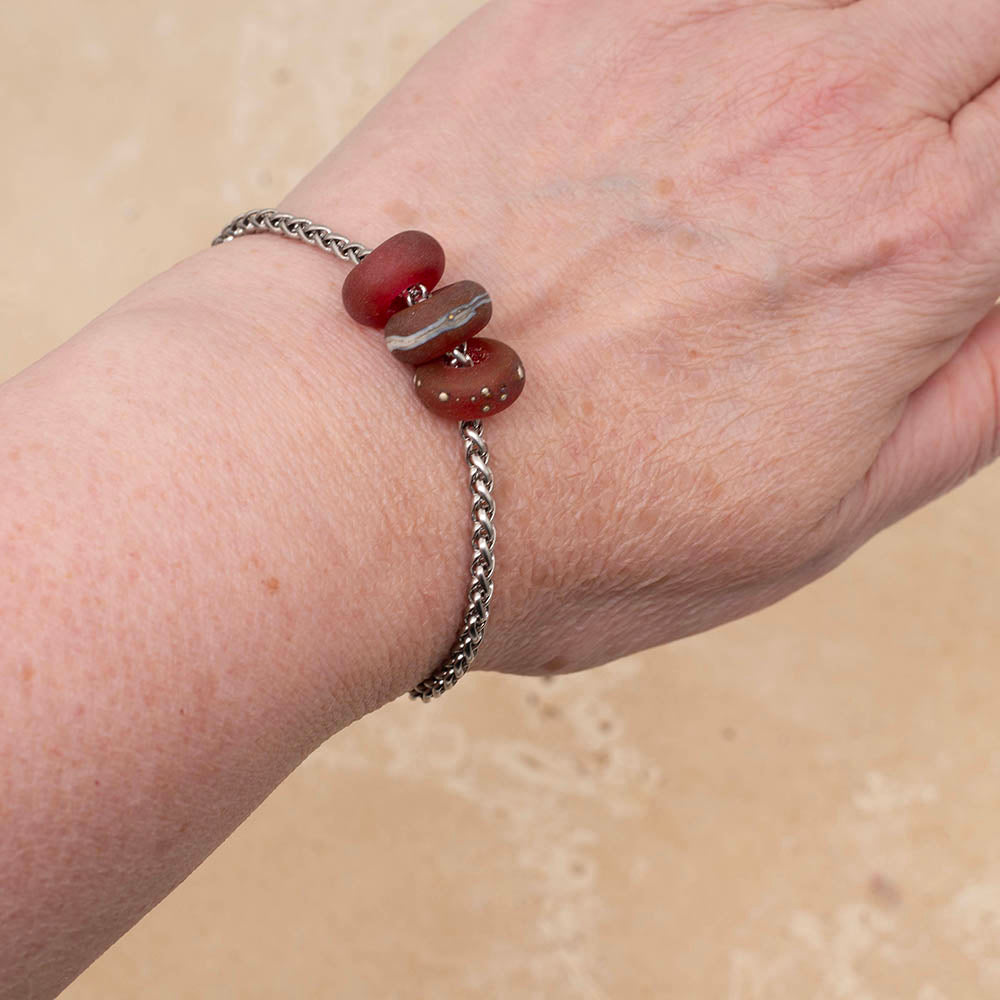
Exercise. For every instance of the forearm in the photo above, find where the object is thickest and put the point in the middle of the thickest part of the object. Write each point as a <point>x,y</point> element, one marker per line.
<point>228,530</point>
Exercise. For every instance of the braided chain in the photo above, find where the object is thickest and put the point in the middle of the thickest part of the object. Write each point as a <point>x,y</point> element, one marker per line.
<point>267,220</point>
<point>481,589</point>
<point>477,455</point>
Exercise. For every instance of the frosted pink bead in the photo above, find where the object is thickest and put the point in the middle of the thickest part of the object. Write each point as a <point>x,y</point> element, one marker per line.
<point>373,290</point>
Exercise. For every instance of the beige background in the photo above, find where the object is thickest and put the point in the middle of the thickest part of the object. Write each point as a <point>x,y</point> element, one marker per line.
<point>801,806</point>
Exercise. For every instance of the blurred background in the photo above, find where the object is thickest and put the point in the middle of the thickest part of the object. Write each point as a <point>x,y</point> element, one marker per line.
<point>801,806</point>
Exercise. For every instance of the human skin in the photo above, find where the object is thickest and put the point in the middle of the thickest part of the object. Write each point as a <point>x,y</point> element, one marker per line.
<point>747,253</point>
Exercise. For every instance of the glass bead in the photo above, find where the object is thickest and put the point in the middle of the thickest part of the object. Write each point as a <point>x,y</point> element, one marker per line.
<point>435,325</point>
<point>374,289</point>
<point>468,392</point>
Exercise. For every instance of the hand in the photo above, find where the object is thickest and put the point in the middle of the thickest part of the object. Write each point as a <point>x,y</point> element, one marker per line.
<point>745,251</point>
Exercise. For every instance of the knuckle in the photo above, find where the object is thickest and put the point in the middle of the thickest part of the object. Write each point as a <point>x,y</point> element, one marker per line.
<point>912,214</point>
<point>815,87</point>
<point>934,218</point>
<point>810,120</point>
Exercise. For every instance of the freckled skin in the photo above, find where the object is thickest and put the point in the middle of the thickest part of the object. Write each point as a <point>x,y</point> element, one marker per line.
<point>402,212</point>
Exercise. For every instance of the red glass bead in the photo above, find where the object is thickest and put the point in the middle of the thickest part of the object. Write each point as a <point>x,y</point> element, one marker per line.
<point>373,290</point>
<point>430,328</point>
<point>467,392</point>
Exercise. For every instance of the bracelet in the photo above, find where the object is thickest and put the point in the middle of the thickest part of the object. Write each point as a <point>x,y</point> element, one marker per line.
<point>455,376</point>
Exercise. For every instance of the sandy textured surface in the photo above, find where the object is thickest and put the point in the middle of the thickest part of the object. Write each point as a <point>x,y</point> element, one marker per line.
<point>801,806</point>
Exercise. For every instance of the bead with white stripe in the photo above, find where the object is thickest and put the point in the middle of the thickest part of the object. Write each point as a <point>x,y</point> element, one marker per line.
<point>433,326</point>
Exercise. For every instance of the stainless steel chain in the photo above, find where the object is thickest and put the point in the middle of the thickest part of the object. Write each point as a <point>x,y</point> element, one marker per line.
<point>267,220</point>
<point>477,455</point>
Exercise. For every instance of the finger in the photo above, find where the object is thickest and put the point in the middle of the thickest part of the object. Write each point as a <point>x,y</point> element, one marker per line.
<point>950,429</point>
<point>942,53</point>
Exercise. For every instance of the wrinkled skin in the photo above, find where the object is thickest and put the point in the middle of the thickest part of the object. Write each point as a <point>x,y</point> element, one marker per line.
<point>745,250</point>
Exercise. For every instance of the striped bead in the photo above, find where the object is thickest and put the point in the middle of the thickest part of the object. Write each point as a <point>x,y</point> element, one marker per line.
<point>432,327</point>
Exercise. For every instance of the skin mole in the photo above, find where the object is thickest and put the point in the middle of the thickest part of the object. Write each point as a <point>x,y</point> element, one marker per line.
<point>555,665</point>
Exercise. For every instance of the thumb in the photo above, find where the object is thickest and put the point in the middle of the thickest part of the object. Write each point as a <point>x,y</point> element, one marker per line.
<point>950,429</point>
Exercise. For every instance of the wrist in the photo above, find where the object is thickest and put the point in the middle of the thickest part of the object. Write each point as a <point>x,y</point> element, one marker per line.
<point>366,491</point>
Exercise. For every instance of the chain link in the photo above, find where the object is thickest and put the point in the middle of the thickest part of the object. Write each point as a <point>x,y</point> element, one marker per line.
<point>477,456</point>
